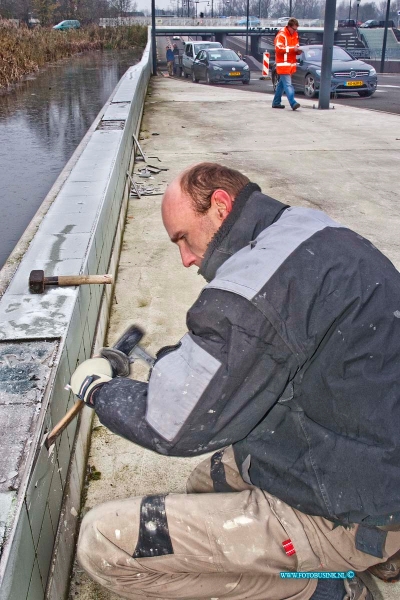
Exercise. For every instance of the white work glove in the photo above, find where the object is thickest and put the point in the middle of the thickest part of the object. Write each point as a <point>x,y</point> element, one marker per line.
<point>89,376</point>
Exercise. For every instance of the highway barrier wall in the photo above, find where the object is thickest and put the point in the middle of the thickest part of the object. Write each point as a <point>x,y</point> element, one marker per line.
<point>78,230</point>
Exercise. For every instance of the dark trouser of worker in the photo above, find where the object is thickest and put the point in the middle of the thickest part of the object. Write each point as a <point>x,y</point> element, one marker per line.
<point>230,544</point>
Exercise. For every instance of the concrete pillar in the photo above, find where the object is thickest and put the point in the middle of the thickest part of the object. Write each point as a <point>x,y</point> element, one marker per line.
<point>221,38</point>
<point>255,47</point>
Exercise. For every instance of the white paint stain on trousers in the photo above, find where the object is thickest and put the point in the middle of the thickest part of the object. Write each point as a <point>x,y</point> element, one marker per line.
<point>236,522</point>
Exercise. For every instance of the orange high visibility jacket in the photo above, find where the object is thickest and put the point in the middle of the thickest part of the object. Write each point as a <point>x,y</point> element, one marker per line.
<point>285,51</point>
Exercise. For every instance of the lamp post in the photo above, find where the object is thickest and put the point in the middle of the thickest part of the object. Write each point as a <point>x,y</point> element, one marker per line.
<point>153,36</point>
<point>358,6</point>
<point>385,36</point>
<point>327,53</point>
<point>350,10</point>
<point>247,27</point>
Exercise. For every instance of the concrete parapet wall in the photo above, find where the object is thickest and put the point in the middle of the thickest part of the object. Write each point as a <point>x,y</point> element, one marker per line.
<point>42,339</point>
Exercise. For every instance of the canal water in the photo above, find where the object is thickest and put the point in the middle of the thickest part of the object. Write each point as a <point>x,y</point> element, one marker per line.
<point>42,121</point>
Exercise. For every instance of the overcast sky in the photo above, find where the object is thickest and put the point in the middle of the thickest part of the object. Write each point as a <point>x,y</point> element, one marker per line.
<point>146,4</point>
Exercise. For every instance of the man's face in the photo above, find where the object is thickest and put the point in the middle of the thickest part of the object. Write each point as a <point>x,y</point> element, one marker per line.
<point>191,231</point>
<point>292,29</point>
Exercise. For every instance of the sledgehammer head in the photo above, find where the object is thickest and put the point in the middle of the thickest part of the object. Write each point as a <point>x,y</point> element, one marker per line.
<point>36,282</point>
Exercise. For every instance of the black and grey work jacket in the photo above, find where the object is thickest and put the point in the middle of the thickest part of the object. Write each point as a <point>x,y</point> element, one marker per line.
<point>292,355</point>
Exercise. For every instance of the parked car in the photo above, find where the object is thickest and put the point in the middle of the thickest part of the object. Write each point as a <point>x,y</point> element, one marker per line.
<point>253,21</point>
<point>190,52</point>
<point>347,23</point>
<point>370,23</point>
<point>220,65</point>
<point>348,74</point>
<point>281,22</point>
<point>70,24</point>
<point>176,37</point>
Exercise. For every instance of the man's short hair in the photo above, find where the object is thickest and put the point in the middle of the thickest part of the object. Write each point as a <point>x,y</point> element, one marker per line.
<point>292,22</point>
<point>201,181</point>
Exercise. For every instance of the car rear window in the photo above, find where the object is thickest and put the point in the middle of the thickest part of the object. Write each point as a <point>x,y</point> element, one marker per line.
<point>199,47</point>
<point>223,55</point>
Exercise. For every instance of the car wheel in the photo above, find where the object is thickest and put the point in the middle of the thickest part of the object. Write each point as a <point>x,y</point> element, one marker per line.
<point>186,75</point>
<point>194,78</point>
<point>208,80</point>
<point>275,79</point>
<point>365,94</point>
<point>309,86</point>
<point>246,81</point>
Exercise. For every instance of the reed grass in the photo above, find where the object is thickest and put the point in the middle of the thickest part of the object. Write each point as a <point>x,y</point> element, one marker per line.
<point>23,50</point>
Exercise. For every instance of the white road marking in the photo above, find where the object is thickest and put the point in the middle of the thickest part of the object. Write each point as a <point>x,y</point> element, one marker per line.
<point>391,86</point>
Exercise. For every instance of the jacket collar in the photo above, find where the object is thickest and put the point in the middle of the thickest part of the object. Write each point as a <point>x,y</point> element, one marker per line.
<point>252,212</point>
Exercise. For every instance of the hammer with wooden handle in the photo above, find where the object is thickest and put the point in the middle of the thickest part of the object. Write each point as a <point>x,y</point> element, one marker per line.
<point>37,280</point>
<point>128,343</point>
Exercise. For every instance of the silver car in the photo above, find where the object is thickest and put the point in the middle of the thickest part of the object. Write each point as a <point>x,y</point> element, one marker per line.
<point>220,65</point>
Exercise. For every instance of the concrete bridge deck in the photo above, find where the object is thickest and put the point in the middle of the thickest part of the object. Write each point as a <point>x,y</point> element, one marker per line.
<point>343,161</point>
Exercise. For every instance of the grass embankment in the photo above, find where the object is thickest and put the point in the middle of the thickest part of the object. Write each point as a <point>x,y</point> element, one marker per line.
<point>24,51</point>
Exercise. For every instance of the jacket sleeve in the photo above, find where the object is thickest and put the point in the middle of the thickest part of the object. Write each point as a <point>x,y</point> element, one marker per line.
<point>210,390</point>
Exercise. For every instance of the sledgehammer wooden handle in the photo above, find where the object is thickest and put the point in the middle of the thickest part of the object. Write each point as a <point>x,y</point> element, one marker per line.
<point>79,279</point>
<point>65,421</point>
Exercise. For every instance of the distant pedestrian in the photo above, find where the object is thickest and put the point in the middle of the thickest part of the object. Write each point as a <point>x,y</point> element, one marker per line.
<point>170,61</point>
<point>286,49</point>
<point>175,50</point>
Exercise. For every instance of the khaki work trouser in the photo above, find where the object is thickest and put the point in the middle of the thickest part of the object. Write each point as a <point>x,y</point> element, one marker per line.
<point>215,545</point>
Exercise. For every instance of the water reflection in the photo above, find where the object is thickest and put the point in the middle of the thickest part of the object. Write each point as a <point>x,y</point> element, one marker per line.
<point>41,123</point>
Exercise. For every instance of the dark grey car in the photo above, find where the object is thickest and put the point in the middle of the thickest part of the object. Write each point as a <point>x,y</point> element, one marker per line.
<point>348,74</point>
<point>220,65</point>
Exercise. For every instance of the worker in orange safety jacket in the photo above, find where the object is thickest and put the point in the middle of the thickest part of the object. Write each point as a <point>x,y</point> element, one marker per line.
<point>286,49</point>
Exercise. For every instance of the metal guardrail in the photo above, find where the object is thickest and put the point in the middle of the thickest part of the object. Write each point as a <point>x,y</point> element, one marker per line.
<point>359,52</point>
<point>390,54</point>
<point>193,21</point>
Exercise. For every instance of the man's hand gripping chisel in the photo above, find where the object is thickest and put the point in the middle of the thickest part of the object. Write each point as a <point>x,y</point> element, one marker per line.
<point>127,344</point>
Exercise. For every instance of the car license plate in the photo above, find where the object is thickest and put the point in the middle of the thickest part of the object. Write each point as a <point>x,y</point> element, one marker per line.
<point>234,73</point>
<point>354,83</point>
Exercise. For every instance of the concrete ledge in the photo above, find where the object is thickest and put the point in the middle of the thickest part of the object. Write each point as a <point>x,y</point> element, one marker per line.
<point>57,330</point>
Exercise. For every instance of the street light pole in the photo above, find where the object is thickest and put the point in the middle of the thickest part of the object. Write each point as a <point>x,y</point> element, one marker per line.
<point>327,53</point>
<point>350,9</point>
<point>247,27</point>
<point>153,37</point>
<point>358,6</point>
<point>385,37</point>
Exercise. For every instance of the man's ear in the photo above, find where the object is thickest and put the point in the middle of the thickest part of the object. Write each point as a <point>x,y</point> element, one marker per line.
<point>221,204</point>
